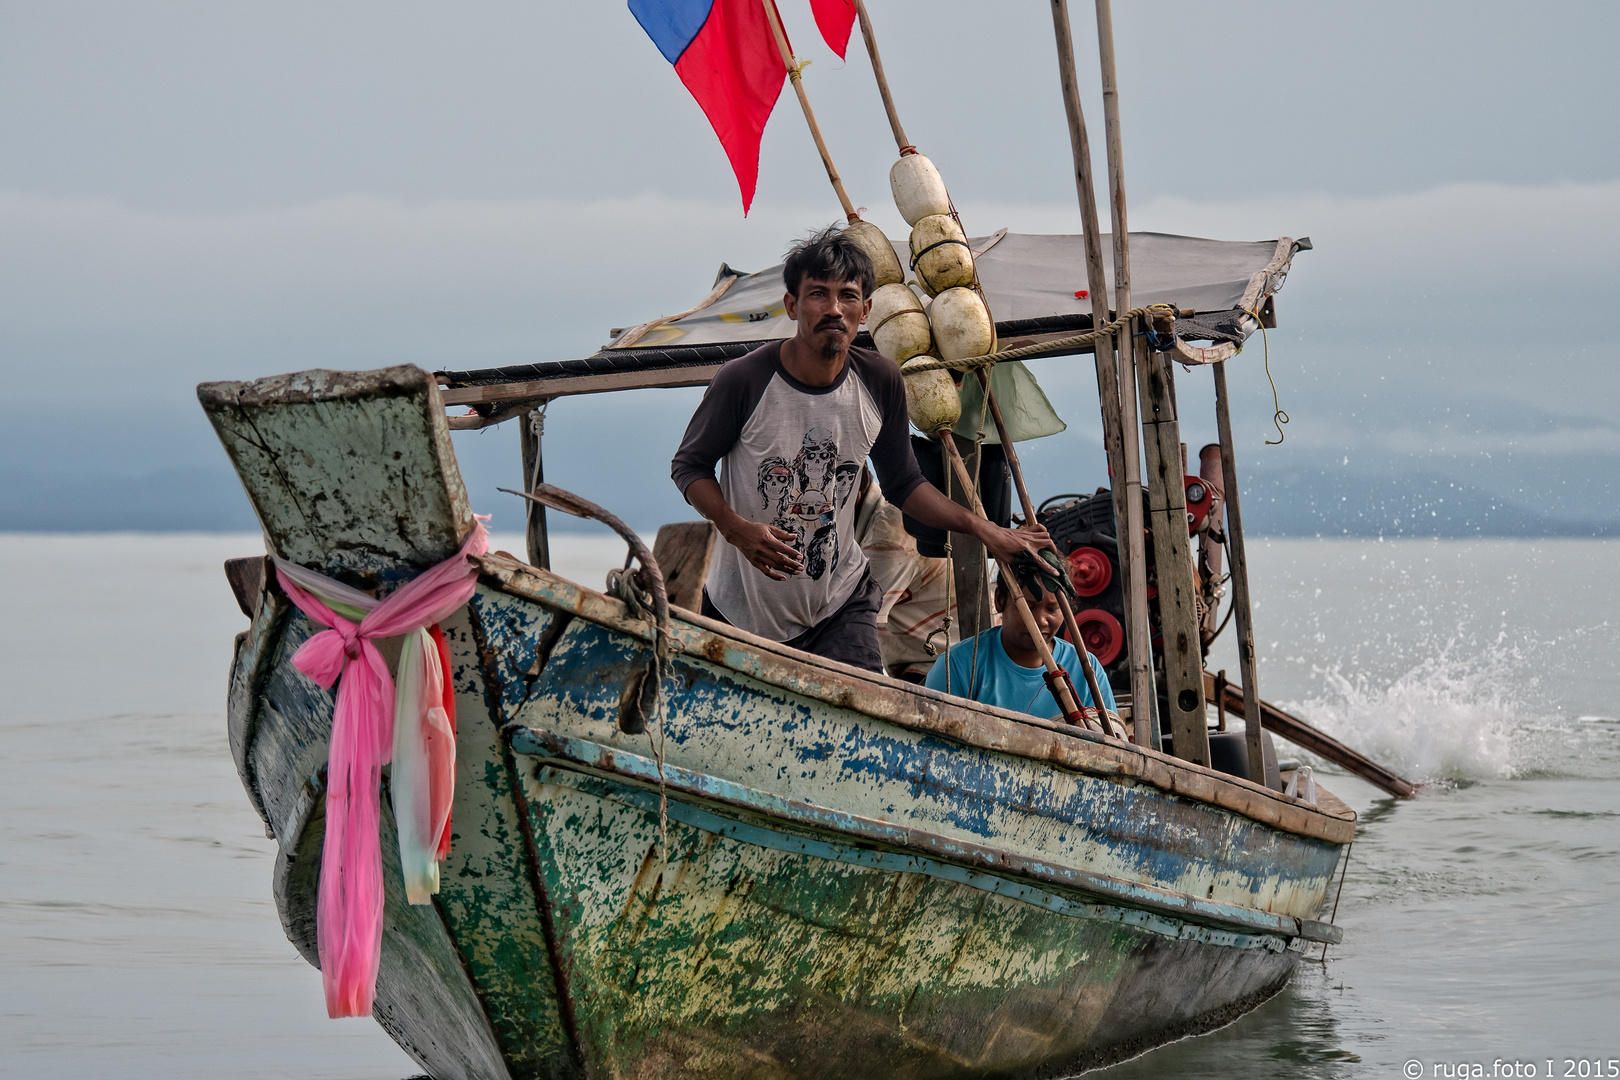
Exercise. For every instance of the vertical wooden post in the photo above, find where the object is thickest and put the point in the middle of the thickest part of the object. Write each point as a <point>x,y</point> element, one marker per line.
<point>531,430</point>
<point>1138,636</point>
<point>1248,668</point>
<point>1114,394</point>
<point>1172,560</point>
<point>969,569</point>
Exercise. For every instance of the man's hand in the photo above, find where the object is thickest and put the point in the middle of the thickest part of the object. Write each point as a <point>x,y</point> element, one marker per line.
<point>770,550</point>
<point>929,505</point>
<point>1005,544</point>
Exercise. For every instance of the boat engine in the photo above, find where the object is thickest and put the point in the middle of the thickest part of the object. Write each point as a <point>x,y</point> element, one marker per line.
<point>1083,529</point>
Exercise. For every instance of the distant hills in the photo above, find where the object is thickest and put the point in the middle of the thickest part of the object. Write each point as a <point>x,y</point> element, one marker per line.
<point>1297,501</point>
<point>1333,502</point>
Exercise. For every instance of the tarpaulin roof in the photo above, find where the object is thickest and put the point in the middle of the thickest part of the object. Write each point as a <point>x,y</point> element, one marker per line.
<point>1030,281</point>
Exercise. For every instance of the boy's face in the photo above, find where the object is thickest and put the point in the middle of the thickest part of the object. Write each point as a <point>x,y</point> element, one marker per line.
<point>1048,617</point>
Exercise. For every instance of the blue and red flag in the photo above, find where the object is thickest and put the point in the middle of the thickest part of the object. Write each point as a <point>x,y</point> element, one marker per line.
<point>834,18</point>
<point>725,53</point>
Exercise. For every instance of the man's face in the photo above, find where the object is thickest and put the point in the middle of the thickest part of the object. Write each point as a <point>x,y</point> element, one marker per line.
<point>828,313</point>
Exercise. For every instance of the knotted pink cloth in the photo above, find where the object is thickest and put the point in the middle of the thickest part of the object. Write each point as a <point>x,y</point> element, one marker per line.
<point>350,906</point>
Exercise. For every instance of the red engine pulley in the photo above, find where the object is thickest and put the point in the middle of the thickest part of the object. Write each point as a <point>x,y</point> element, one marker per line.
<point>1090,570</point>
<point>1104,637</point>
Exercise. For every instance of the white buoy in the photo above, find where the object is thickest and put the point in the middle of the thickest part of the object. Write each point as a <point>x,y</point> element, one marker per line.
<point>885,263</point>
<point>918,189</point>
<point>898,324</point>
<point>932,400</point>
<point>940,254</point>
<point>962,326</point>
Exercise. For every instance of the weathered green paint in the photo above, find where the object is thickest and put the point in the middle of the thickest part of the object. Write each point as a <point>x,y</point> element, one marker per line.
<point>351,473</point>
<point>737,959</point>
<point>485,884</point>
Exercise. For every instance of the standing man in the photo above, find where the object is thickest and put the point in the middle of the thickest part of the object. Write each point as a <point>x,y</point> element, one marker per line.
<point>788,422</point>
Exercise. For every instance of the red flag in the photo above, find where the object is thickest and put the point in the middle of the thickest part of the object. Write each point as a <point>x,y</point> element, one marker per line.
<point>725,53</point>
<point>834,18</point>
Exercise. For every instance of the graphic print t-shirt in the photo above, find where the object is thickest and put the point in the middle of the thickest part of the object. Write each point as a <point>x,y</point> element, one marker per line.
<point>790,457</point>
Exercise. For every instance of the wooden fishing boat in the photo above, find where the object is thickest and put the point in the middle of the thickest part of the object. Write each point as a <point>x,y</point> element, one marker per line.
<point>855,877</point>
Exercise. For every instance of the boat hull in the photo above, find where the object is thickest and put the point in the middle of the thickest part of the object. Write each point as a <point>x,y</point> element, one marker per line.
<point>797,870</point>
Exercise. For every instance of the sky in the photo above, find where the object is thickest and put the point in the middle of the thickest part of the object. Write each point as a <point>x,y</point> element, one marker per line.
<point>217,190</point>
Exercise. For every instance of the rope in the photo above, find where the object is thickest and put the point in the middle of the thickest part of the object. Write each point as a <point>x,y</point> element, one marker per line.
<point>915,255</point>
<point>1278,417</point>
<point>893,315</point>
<point>645,599</point>
<point>1038,349</point>
<point>1332,919</point>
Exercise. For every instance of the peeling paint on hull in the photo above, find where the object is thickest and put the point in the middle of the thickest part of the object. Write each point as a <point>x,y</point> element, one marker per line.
<point>762,949</point>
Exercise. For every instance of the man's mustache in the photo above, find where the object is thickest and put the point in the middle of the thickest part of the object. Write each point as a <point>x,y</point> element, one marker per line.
<point>829,323</point>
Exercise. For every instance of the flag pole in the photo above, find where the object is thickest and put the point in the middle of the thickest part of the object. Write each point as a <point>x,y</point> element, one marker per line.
<point>793,70</point>
<point>870,39</point>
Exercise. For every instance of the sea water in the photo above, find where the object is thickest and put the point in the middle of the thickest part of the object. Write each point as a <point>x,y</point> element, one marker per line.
<point>1482,919</point>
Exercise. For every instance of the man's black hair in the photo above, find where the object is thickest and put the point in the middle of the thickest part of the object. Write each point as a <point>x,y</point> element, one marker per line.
<point>830,256</point>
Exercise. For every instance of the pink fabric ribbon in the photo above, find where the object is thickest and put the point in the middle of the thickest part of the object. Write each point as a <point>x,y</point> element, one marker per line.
<point>350,905</point>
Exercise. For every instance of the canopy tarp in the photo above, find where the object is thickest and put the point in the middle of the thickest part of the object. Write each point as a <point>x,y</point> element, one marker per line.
<point>1029,279</point>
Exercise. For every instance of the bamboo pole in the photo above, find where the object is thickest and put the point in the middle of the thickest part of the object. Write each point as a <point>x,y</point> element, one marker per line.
<point>870,39</point>
<point>1248,667</point>
<point>1028,504</point>
<point>775,20</point>
<point>1139,636</point>
<point>1057,677</point>
<point>1118,398</point>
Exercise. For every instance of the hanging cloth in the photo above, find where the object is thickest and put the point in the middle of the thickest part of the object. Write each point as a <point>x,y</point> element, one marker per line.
<point>418,733</point>
<point>1024,406</point>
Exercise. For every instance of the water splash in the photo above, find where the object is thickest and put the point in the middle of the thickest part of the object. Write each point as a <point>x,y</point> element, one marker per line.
<point>1453,716</point>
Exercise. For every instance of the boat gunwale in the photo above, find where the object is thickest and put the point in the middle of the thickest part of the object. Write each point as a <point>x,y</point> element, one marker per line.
<point>920,709</point>
<point>623,766</point>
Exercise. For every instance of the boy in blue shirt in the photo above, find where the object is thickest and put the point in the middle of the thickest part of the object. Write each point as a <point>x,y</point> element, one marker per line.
<point>1009,671</point>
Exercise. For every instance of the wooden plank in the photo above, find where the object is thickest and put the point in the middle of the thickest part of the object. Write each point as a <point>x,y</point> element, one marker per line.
<point>1172,560</point>
<point>886,699</point>
<point>683,551</point>
<point>1243,611</point>
<point>969,568</point>
<point>528,392</point>
<point>531,431</point>
<point>1301,734</point>
<point>246,577</point>
<point>565,385</point>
